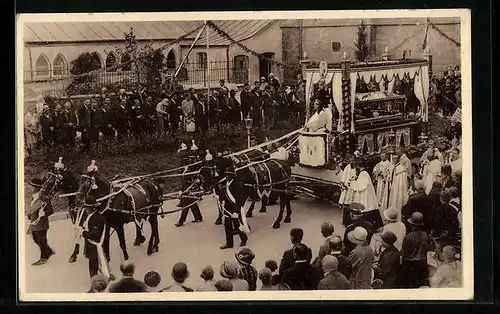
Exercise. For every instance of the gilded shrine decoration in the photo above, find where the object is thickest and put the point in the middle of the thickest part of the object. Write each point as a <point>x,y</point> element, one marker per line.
<point>366,143</point>
<point>403,137</point>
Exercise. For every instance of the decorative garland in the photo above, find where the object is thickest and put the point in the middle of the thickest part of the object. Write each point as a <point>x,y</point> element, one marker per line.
<point>444,35</point>
<point>245,48</point>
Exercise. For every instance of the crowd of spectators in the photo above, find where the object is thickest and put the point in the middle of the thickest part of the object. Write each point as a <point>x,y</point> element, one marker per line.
<point>107,117</point>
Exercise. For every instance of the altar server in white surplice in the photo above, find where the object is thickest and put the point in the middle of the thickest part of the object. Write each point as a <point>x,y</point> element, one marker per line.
<point>363,191</point>
<point>382,173</point>
<point>317,122</point>
<point>348,175</point>
<point>431,171</point>
<point>399,189</point>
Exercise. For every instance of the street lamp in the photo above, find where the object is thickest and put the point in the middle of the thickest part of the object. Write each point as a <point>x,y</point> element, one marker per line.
<point>248,125</point>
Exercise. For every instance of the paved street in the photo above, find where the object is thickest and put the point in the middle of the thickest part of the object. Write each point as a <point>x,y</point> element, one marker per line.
<point>195,244</point>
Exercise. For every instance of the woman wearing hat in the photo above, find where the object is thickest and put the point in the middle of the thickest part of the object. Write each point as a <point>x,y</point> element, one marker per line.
<point>230,271</point>
<point>389,264</point>
<point>247,271</point>
<point>414,268</point>
<point>394,226</point>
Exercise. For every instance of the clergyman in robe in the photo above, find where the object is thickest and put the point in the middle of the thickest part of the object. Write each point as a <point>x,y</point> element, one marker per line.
<point>399,189</point>
<point>431,171</point>
<point>363,192</point>
<point>382,173</point>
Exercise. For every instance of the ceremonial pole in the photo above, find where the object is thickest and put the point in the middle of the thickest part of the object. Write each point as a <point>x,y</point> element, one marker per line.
<point>208,75</point>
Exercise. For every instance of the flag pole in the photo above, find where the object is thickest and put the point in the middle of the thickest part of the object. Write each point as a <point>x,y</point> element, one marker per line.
<point>208,74</point>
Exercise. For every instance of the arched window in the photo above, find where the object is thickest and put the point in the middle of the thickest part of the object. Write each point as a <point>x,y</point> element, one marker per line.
<point>171,62</point>
<point>60,66</point>
<point>240,69</point>
<point>110,62</point>
<point>42,67</point>
<point>126,65</point>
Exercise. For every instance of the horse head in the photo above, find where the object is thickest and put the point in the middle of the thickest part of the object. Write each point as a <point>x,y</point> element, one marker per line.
<point>92,182</point>
<point>52,184</point>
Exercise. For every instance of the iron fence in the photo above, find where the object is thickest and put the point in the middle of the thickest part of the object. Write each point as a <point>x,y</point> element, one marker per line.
<point>191,75</point>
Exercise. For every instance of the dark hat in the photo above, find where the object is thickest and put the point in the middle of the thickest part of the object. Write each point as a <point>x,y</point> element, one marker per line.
<point>272,265</point>
<point>245,256</point>
<point>152,279</point>
<point>388,238</point>
<point>90,201</point>
<point>180,271</point>
<point>36,182</point>
<point>416,219</point>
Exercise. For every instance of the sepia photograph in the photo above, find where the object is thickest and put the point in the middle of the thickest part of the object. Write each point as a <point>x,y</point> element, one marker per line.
<point>268,155</point>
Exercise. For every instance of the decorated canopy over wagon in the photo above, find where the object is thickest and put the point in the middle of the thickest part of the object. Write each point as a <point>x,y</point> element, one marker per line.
<point>380,103</point>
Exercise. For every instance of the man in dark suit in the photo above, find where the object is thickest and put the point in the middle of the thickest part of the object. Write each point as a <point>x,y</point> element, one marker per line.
<point>84,122</point>
<point>107,120</point>
<point>127,283</point>
<point>357,221</point>
<point>93,232</point>
<point>121,123</point>
<point>246,100</point>
<point>47,126</point>
<point>344,266</point>
<point>69,123</point>
<point>231,207</point>
<point>38,214</point>
<point>302,275</point>
<point>288,259</point>
<point>419,202</point>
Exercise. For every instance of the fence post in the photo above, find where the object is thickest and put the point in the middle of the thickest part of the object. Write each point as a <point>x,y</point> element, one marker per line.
<point>227,63</point>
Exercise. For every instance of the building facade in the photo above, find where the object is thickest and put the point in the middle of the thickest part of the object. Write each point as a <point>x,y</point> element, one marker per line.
<point>49,48</point>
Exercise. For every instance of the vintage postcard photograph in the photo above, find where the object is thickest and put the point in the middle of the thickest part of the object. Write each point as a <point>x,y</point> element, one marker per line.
<point>245,156</point>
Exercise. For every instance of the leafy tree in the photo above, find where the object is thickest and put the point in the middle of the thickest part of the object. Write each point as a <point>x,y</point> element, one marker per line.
<point>362,50</point>
<point>85,63</point>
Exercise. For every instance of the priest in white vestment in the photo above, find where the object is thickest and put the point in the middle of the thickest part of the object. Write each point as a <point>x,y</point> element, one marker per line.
<point>399,188</point>
<point>455,161</point>
<point>348,175</point>
<point>318,121</point>
<point>432,150</point>
<point>382,173</point>
<point>431,171</point>
<point>363,191</point>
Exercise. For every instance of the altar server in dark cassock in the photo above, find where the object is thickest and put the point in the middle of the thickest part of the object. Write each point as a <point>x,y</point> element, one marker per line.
<point>47,126</point>
<point>84,122</point>
<point>38,214</point>
<point>107,129</point>
<point>93,233</point>
<point>232,209</point>
<point>69,124</point>
<point>357,220</point>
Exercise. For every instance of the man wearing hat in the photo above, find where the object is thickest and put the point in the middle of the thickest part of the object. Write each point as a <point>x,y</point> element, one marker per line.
<point>389,264</point>
<point>38,215</point>
<point>93,232</point>
<point>361,259</point>
<point>419,202</point>
<point>414,268</point>
<point>333,279</point>
<point>230,271</point>
<point>231,208</point>
<point>247,272</point>
<point>179,273</point>
<point>357,220</point>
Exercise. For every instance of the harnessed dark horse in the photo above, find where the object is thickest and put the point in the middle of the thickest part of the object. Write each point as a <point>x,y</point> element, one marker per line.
<point>261,177</point>
<point>132,202</point>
